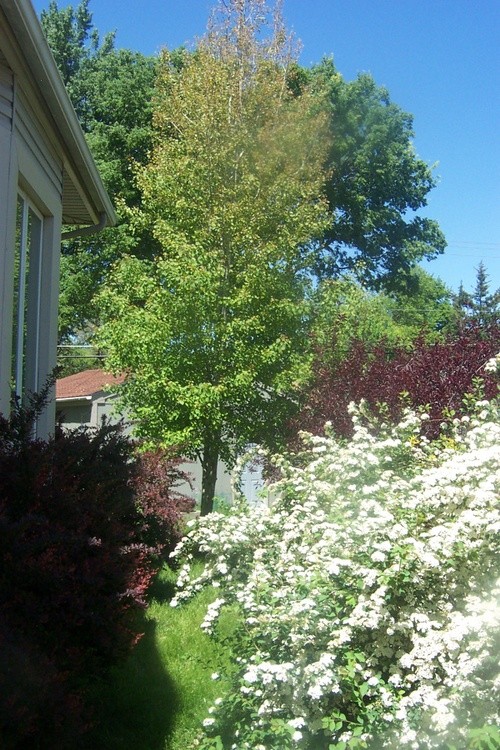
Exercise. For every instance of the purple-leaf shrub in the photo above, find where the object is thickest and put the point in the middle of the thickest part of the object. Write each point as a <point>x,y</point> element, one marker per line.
<point>156,483</point>
<point>75,567</point>
<point>432,375</point>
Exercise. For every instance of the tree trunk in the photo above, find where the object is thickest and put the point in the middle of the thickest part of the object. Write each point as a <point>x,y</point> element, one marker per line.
<point>209,475</point>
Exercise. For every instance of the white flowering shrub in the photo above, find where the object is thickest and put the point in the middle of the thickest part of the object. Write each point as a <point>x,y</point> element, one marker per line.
<point>369,594</point>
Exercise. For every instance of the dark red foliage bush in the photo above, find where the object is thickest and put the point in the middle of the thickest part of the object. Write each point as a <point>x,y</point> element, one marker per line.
<point>156,482</point>
<point>434,375</point>
<point>75,566</point>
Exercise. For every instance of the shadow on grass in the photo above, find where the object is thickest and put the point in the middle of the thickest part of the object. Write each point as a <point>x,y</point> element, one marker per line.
<point>163,589</point>
<point>135,707</point>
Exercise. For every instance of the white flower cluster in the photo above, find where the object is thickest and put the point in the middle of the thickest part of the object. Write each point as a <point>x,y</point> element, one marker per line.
<point>493,364</point>
<point>369,592</point>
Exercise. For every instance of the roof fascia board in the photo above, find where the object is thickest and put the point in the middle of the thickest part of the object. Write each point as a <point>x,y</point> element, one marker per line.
<point>79,161</point>
<point>73,398</point>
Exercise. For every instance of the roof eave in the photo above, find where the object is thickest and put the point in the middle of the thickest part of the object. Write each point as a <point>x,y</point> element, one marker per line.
<point>72,398</point>
<point>79,160</point>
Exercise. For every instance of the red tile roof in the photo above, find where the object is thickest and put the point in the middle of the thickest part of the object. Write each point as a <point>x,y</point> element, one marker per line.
<point>85,383</point>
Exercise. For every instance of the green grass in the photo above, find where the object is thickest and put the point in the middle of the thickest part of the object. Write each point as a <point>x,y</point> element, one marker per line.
<point>159,697</point>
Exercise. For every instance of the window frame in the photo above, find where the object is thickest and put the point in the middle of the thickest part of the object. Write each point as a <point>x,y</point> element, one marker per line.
<point>27,300</point>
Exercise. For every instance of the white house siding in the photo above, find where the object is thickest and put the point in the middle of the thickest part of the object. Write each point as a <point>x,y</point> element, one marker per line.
<point>8,182</point>
<point>6,94</point>
<point>37,154</point>
<point>28,165</point>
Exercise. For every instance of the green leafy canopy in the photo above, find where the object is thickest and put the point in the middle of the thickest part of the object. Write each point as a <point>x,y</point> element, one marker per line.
<point>214,329</point>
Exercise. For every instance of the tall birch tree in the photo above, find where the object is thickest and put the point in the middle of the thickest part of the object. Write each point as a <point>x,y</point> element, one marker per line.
<point>213,329</point>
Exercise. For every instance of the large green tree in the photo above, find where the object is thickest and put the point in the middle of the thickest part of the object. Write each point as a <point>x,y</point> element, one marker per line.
<point>376,185</point>
<point>213,330</point>
<point>75,44</point>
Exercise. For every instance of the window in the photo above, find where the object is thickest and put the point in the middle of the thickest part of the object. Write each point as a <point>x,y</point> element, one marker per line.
<point>27,294</point>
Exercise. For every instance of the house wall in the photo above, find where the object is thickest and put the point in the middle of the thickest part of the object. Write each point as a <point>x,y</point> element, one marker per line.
<point>8,182</point>
<point>104,407</point>
<point>74,414</point>
<point>88,411</point>
<point>47,177</point>
<point>223,487</point>
<point>252,483</point>
<point>28,164</point>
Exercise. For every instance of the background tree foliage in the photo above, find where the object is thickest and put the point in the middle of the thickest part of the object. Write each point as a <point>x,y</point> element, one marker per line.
<point>376,185</point>
<point>214,329</point>
<point>434,375</point>
<point>375,180</point>
<point>426,308</point>
<point>228,222</point>
<point>345,312</point>
<point>75,44</point>
<point>111,91</point>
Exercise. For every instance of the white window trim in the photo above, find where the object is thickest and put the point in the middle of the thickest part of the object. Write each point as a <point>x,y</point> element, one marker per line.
<point>27,345</point>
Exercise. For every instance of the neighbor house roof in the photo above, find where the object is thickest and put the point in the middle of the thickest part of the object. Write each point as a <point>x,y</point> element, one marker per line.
<point>85,200</point>
<point>83,385</point>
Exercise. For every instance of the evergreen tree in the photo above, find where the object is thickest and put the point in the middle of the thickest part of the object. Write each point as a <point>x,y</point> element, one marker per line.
<point>481,307</point>
<point>485,305</point>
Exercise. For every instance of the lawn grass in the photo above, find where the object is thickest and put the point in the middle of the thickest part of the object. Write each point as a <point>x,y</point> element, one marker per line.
<point>158,698</point>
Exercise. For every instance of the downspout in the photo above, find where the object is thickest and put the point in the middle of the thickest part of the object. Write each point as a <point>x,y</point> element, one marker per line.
<point>86,231</point>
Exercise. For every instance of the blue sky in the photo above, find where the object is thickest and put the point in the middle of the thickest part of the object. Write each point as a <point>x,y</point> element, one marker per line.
<point>440,61</point>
